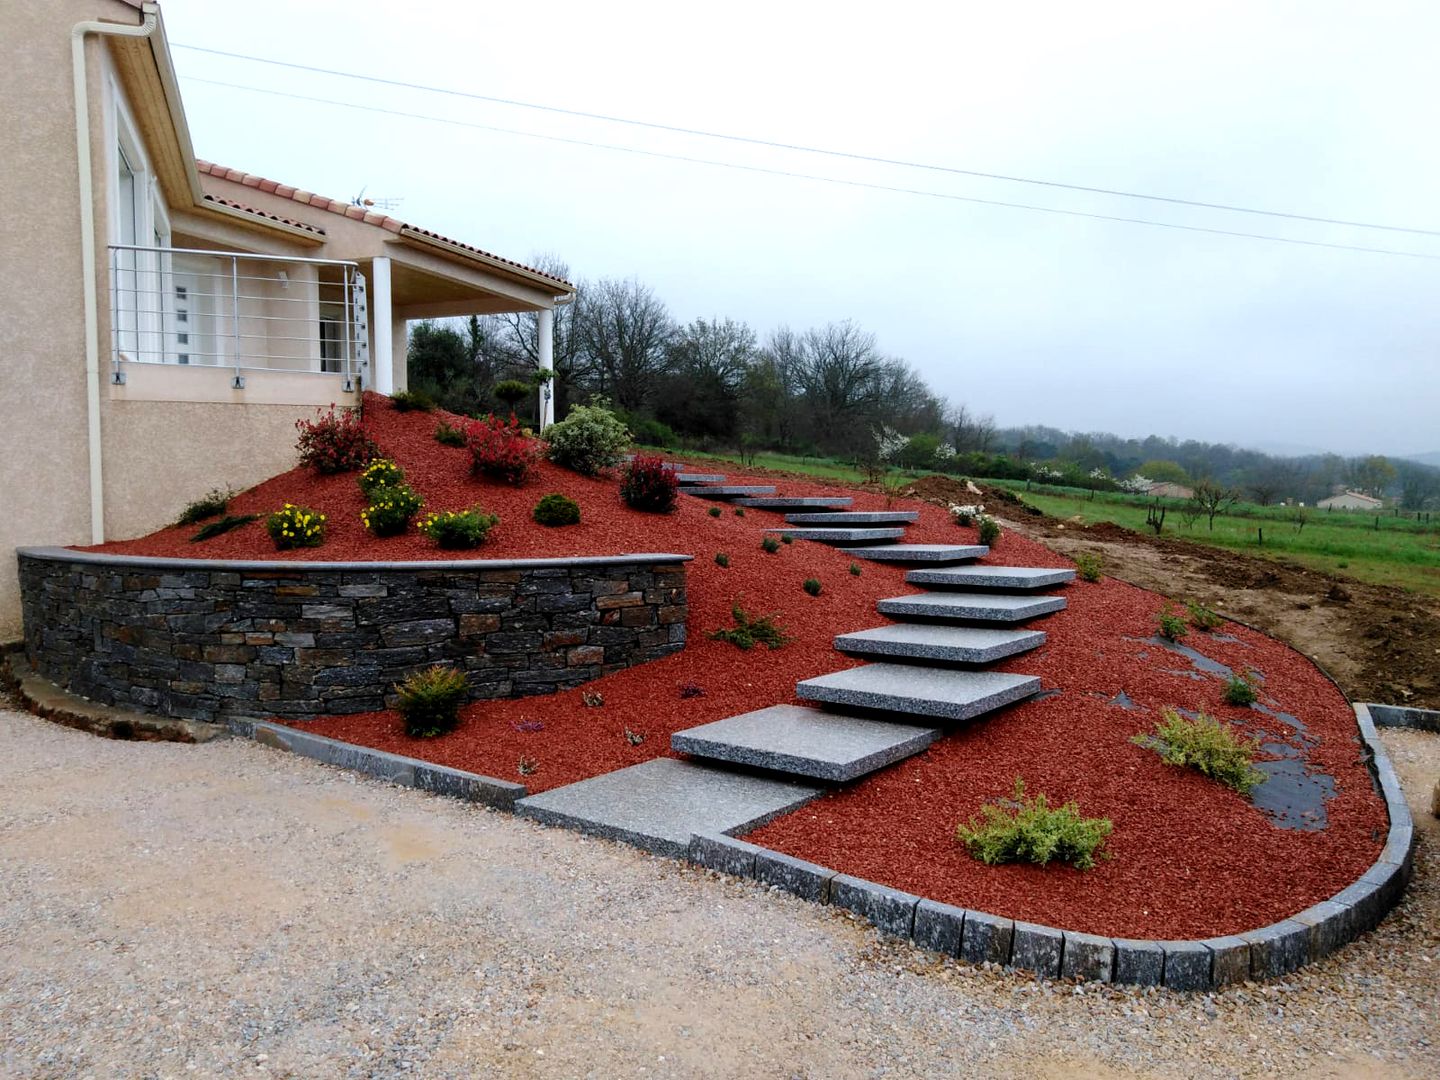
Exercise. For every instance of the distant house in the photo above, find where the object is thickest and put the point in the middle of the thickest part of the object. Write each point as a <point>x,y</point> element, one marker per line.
<point>1351,500</point>
<point>1166,490</point>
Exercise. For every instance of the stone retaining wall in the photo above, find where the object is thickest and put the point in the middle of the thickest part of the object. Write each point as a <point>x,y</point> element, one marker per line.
<point>210,639</point>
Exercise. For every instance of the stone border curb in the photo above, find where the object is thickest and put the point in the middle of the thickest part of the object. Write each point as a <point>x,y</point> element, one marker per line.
<point>1404,716</point>
<point>153,562</point>
<point>976,936</point>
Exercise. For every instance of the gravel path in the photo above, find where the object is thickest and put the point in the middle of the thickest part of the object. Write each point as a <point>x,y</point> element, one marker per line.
<point>210,910</point>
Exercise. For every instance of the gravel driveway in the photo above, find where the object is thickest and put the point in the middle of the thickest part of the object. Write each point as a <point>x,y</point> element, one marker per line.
<point>225,909</point>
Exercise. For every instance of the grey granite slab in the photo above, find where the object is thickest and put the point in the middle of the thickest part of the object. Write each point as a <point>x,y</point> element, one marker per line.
<point>939,927</point>
<point>805,742</point>
<point>920,691</point>
<point>856,517</point>
<point>889,909</point>
<point>991,577</point>
<point>1139,963</point>
<point>685,478</point>
<point>1330,926</point>
<point>1037,948</point>
<point>716,851</point>
<point>1229,960</point>
<point>1277,949</point>
<point>804,879</point>
<point>727,491</point>
<point>922,553</point>
<point>986,938</point>
<point>658,805</point>
<point>839,535</point>
<point>1087,956</point>
<point>1187,965</point>
<point>783,502</point>
<point>971,607</point>
<point>931,641</point>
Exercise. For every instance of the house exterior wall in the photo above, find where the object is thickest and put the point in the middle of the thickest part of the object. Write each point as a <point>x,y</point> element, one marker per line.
<point>1350,501</point>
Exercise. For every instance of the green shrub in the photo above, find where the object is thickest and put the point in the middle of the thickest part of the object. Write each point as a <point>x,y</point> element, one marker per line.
<point>429,701</point>
<point>446,435</point>
<point>750,630</point>
<point>458,530</point>
<point>511,392</point>
<point>215,502</point>
<point>786,538</point>
<point>1239,690</point>
<point>412,400</point>
<point>855,569</point>
<point>1207,745</point>
<point>295,526</point>
<point>739,511</point>
<point>1022,829</point>
<point>1172,626</point>
<point>334,441</point>
<point>648,485</point>
<point>589,439</point>
<point>989,530</point>
<point>1201,617</point>
<point>812,586</point>
<point>557,510</point>
<point>769,545</point>
<point>721,559</point>
<point>391,509</point>
<point>649,432</point>
<point>380,473</point>
<point>714,511</point>
<point>1088,566</point>
<point>224,525</point>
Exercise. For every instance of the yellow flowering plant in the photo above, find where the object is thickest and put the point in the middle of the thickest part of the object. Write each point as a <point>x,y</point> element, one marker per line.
<point>391,509</point>
<point>459,529</point>
<point>296,526</point>
<point>380,473</point>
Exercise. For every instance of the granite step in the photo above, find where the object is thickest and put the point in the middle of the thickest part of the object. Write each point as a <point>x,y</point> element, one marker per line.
<point>839,536</point>
<point>945,644</point>
<point>727,491</point>
<point>805,742</point>
<point>658,804</point>
<point>970,607</point>
<point>798,502</point>
<point>999,578</point>
<point>689,479</point>
<point>855,517</point>
<point>911,691</point>
<point>923,553</point>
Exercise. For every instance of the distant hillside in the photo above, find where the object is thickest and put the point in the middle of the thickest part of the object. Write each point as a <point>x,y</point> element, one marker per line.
<point>1432,458</point>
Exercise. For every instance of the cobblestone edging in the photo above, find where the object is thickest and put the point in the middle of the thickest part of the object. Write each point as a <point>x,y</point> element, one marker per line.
<point>210,639</point>
<point>976,936</point>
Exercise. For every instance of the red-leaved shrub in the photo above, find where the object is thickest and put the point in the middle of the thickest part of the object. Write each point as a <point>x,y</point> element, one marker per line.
<point>335,442</point>
<point>502,451</point>
<point>648,485</point>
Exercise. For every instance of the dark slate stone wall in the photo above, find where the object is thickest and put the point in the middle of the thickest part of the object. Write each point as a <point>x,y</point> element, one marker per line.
<point>302,640</point>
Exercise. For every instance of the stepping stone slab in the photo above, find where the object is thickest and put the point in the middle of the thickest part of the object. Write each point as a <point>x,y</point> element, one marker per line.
<point>783,502</point>
<point>923,553</point>
<point>920,691</point>
<point>839,536</point>
<point>855,517</point>
<point>805,742</point>
<point>658,805</point>
<point>931,641</point>
<point>991,577</point>
<point>700,478</point>
<point>728,491</point>
<point>971,607</point>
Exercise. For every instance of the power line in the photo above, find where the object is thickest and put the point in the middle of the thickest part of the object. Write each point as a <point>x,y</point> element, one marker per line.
<point>816,177</point>
<point>778,145</point>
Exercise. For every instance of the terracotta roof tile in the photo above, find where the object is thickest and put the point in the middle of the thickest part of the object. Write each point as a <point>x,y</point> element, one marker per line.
<point>233,205</point>
<point>349,210</point>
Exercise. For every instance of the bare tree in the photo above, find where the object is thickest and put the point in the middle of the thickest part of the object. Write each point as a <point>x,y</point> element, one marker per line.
<point>520,334</point>
<point>772,387</point>
<point>707,362</point>
<point>840,371</point>
<point>971,431</point>
<point>1212,500</point>
<point>624,332</point>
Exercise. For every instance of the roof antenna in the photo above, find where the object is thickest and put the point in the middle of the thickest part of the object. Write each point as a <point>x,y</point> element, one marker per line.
<point>380,204</point>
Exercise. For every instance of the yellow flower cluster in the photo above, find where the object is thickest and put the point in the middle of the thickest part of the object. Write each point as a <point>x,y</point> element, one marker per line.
<point>296,526</point>
<point>391,510</point>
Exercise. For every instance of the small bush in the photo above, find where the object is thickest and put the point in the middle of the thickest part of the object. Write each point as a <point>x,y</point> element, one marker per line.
<point>648,485</point>
<point>965,515</point>
<point>1021,829</point>
<point>555,510</point>
<point>224,525</point>
<point>786,538</point>
<point>855,569</point>
<point>446,435</point>
<point>390,511</point>
<point>721,559</point>
<point>527,766</point>
<point>1239,690</point>
<point>690,690</point>
<point>380,473</point>
<point>429,701</point>
<point>1172,626</point>
<point>750,630</point>
<point>412,401</point>
<point>295,526</point>
<point>1088,565</point>
<point>500,450</point>
<point>459,530</point>
<point>1207,745</point>
<point>769,545</point>
<point>714,511</point>
<point>215,502</point>
<point>589,439</point>
<point>739,511</point>
<point>334,442</point>
<point>812,586</point>
<point>1201,617</point>
<point>511,392</point>
<point>989,531</point>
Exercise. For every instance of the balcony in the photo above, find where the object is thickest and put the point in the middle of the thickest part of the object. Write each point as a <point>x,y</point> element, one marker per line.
<point>242,313</point>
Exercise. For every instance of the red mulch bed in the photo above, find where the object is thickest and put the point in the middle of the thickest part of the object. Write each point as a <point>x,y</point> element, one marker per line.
<point>1189,858</point>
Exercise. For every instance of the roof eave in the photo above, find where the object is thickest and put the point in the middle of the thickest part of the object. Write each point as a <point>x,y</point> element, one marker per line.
<point>553,286</point>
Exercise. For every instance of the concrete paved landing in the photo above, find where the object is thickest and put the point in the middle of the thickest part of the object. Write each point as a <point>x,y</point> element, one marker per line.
<point>805,742</point>
<point>856,517</point>
<point>923,553</point>
<point>931,641</point>
<point>920,691</point>
<point>971,607</point>
<point>658,804</point>
<point>992,577</point>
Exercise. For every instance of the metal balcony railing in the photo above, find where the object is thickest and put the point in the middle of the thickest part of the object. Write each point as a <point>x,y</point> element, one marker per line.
<point>245,312</point>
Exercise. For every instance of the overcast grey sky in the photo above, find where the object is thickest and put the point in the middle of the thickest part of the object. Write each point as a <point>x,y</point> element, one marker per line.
<point>1325,109</point>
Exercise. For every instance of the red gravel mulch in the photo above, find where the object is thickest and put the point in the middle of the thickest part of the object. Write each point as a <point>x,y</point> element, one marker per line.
<point>1188,857</point>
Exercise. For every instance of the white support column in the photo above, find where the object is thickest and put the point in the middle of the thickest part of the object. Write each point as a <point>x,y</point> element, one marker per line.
<point>545,349</point>
<point>382,332</point>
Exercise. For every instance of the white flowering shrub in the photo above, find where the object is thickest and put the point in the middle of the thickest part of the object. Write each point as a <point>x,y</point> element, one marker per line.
<point>1039,471</point>
<point>1136,485</point>
<point>889,443</point>
<point>965,515</point>
<point>945,452</point>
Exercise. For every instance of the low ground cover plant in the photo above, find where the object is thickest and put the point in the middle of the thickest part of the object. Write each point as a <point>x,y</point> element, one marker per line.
<point>721,559</point>
<point>855,570</point>
<point>989,530</point>
<point>500,450</point>
<point>391,509</point>
<point>295,526</point>
<point>211,504</point>
<point>786,538</point>
<point>224,525</point>
<point>812,586</point>
<point>769,545</point>
<point>751,630</point>
<point>1025,829</point>
<point>447,435</point>
<point>555,510</point>
<point>739,511</point>
<point>1172,625</point>
<point>334,441</point>
<point>459,530</point>
<point>714,511</point>
<point>1207,745</point>
<point>648,485</point>
<point>412,401</point>
<point>1088,566</point>
<point>380,473</point>
<point>1240,690</point>
<point>1201,617</point>
<point>590,438</point>
<point>429,701</point>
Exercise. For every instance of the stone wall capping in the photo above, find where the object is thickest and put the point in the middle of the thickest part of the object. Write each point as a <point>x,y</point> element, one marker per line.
<point>153,562</point>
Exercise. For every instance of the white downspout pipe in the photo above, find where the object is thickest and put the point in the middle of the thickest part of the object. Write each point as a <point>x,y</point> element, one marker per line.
<point>78,33</point>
